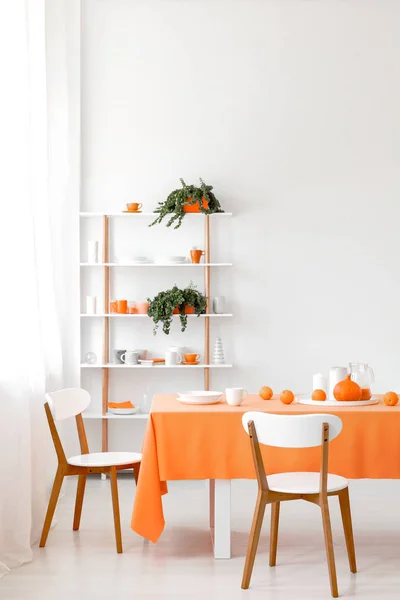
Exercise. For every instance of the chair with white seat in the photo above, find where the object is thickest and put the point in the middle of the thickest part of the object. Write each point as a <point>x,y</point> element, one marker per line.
<point>296,431</point>
<point>62,405</point>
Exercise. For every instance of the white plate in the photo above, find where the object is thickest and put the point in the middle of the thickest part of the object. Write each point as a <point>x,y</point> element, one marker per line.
<point>306,399</point>
<point>171,259</point>
<point>188,400</point>
<point>200,397</point>
<point>147,362</point>
<point>123,411</point>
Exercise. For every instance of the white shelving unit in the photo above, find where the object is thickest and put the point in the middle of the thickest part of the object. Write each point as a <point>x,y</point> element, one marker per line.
<point>137,316</point>
<point>107,317</point>
<point>146,214</point>
<point>154,367</point>
<point>144,265</point>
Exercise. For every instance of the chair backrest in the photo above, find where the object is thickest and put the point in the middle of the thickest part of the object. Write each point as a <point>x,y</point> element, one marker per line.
<point>62,405</point>
<point>292,431</point>
<point>68,403</point>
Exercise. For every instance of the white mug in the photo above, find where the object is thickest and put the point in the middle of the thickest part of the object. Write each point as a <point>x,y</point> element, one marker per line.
<point>172,357</point>
<point>235,396</point>
<point>177,349</point>
<point>130,357</point>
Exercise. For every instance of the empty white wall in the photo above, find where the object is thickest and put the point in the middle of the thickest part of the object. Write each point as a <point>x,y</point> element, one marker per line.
<point>291,109</point>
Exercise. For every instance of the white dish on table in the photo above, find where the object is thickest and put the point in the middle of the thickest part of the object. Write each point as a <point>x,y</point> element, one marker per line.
<point>123,411</point>
<point>199,397</point>
<point>306,399</point>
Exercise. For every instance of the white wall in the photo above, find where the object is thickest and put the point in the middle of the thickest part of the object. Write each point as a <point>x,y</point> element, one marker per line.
<point>290,108</point>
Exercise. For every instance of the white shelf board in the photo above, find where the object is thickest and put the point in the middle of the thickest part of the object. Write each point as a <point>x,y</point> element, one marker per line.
<point>91,415</point>
<point>137,316</point>
<point>142,214</point>
<point>158,367</point>
<point>123,264</point>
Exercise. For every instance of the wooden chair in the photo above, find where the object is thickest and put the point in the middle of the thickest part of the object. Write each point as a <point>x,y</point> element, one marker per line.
<point>297,431</point>
<point>62,405</point>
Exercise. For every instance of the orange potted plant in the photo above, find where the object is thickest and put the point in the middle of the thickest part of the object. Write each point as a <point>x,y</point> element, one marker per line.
<point>187,199</point>
<point>176,301</point>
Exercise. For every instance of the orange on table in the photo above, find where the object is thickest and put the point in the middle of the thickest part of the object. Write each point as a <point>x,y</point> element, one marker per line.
<point>266,392</point>
<point>391,398</point>
<point>318,395</point>
<point>286,397</point>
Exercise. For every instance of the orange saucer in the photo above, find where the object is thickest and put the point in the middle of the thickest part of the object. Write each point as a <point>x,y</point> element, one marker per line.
<point>184,362</point>
<point>132,212</point>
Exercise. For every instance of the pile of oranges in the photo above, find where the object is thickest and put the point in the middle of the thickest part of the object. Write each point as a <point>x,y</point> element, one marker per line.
<point>287,397</point>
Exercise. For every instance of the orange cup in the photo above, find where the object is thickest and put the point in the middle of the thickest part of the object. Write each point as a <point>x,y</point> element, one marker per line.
<point>196,255</point>
<point>191,358</point>
<point>134,206</point>
<point>113,306</point>
<point>122,307</point>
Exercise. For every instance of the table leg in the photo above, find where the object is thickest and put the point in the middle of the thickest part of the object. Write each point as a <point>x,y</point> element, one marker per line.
<point>211,492</point>
<point>220,517</point>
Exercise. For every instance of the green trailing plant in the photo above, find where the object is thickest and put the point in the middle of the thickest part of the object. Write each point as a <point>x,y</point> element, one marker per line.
<point>162,306</point>
<point>186,195</point>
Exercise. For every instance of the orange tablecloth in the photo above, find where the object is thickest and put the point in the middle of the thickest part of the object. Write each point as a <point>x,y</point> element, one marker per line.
<point>209,442</point>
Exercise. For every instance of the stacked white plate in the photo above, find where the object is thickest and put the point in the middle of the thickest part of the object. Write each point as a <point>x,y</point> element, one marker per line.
<point>135,260</point>
<point>171,260</point>
<point>141,260</point>
<point>199,397</point>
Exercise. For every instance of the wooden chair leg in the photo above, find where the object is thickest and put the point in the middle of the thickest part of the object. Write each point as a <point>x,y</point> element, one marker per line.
<point>253,541</point>
<point>136,470</point>
<point>273,540</point>
<point>326,521</point>
<point>80,491</point>
<point>115,502</point>
<point>344,501</point>
<point>55,492</point>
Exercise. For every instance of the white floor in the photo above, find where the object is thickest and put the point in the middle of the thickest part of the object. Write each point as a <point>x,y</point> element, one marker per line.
<point>84,564</point>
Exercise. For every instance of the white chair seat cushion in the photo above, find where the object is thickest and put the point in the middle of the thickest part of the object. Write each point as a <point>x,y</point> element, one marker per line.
<point>105,459</point>
<point>304,483</point>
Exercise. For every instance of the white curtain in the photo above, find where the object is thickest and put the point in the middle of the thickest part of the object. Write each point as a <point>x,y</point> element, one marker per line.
<point>30,350</point>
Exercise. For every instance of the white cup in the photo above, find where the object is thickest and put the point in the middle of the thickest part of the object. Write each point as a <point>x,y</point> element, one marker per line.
<point>180,350</point>
<point>172,357</point>
<point>130,357</point>
<point>91,304</point>
<point>235,396</point>
<point>93,252</point>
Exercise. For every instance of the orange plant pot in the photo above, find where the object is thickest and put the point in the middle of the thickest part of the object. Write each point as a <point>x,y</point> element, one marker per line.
<point>195,208</point>
<point>189,310</point>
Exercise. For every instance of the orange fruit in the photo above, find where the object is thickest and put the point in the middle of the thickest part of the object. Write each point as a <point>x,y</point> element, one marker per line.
<point>391,399</point>
<point>318,395</point>
<point>266,393</point>
<point>286,397</point>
